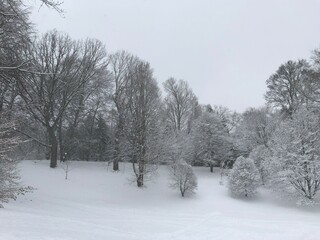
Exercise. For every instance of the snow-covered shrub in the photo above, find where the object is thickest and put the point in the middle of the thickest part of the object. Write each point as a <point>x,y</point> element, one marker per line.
<point>183,178</point>
<point>295,162</point>
<point>244,178</point>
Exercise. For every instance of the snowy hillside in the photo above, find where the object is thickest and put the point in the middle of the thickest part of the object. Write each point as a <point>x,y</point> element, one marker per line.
<point>95,203</point>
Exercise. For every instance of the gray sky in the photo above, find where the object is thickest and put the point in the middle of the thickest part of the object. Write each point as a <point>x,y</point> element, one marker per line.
<point>224,49</point>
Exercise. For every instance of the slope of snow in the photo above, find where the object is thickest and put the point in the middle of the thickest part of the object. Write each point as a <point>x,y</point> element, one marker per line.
<point>95,203</point>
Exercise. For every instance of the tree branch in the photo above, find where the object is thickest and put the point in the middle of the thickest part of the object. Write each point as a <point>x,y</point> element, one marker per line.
<point>34,139</point>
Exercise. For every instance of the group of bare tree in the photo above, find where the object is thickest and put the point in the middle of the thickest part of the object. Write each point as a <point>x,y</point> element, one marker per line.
<point>71,99</point>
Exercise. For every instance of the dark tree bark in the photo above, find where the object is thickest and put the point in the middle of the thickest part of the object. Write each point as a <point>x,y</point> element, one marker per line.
<point>53,147</point>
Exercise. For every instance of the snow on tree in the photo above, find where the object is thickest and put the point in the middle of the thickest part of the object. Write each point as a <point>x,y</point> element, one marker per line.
<point>254,129</point>
<point>261,157</point>
<point>295,165</point>
<point>244,178</point>
<point>9,176</point>
<point>177,146</point>
<point>183,178</point>
<point>142,121</point>
<point>120,64</point>
<point>211,143</point>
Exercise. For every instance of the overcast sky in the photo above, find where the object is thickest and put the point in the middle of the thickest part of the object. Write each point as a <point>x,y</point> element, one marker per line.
<point>224,49</point>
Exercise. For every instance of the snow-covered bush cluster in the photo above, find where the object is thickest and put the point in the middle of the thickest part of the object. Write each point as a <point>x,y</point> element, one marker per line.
<point>286,155</point>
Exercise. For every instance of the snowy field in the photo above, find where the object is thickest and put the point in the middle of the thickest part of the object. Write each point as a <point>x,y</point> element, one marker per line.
<point>96,203</point>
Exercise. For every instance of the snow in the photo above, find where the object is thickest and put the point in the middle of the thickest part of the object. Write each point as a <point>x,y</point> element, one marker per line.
<point>95,203</point>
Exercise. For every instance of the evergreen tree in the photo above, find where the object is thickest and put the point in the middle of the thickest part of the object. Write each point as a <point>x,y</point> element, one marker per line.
<point>244,178</point>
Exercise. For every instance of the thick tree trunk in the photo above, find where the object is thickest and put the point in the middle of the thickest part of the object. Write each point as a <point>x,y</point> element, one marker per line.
<point>61,147</point>
<point>115,165</point>
<point>141,167</point>
<point>54,147</point>
<point>141,163</point>
<point>116,156</point>
<point>140,180</point>
<point>117,150</point>
<point>211,168</point>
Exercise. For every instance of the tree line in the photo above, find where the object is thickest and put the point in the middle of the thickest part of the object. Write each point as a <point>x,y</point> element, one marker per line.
<point>70,99</point>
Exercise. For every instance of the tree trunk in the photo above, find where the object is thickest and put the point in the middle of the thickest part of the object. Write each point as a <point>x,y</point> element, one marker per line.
<point>141,158</point>
<point>54,147</point>
<point>211,168</point>
<point>141,167</point>
<point>140,180</point>
<point>117,150</point>
<point>115,165</point>
<point>61,147</point>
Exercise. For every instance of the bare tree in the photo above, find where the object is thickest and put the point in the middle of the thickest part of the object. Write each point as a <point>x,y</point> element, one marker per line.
<point>16,33</point>
<point>180,103</point>
<point>120,65</point>
<point>141,124</point>
<point>255,128</point>
<point>284,87</point>
<point>70,65</point>
<point>183,178</point>
<point>311,86</point>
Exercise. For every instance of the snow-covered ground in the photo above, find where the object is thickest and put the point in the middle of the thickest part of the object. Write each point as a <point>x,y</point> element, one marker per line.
<point>96,203</point>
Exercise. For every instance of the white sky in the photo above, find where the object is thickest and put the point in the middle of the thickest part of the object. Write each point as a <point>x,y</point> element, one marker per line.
<point>224,49</point>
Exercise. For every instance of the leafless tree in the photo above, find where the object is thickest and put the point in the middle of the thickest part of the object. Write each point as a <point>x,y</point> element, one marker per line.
<point>120,64</point>
<point>311,84</point>
<point>180,103</point>
<point>16,34</point>
<point>70,65</point>
<point>183,178</point>
<point>141,124</point>
<point>256,127</point>
<point>284,87</point>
